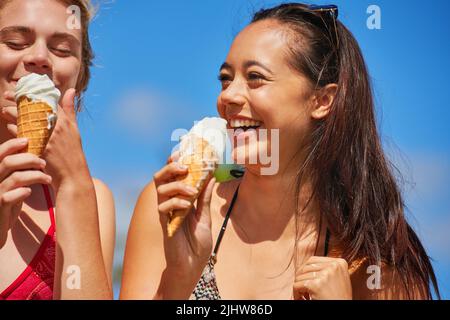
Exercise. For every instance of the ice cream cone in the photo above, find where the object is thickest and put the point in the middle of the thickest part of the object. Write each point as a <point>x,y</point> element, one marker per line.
<point>37,103</point>
<point>34,122</point>
<point>201,159</point>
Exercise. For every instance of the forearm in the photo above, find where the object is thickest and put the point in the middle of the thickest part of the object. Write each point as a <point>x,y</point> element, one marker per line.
<point>175,286</point>
<point>78,244</point>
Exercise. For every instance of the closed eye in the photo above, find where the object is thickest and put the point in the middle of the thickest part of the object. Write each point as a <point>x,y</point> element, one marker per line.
<point>62,52</point>
<point>16,45</point>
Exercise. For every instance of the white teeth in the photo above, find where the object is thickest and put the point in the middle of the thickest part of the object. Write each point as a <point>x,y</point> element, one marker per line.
<point>244,123</point>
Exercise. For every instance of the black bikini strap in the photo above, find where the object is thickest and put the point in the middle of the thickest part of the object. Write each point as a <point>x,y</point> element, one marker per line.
<point>224,226</point>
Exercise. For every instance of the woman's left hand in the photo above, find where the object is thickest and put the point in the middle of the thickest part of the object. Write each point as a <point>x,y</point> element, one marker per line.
<point>323,278</point>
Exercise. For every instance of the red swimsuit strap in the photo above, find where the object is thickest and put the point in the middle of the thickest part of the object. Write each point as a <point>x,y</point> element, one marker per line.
<point>45,243</point>
<point>48,199</point>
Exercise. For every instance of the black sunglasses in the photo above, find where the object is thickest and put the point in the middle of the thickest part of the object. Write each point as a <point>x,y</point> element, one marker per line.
<point>332,11</point>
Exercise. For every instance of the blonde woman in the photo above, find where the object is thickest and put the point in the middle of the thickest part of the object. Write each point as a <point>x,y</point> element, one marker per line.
<point>57,224</point>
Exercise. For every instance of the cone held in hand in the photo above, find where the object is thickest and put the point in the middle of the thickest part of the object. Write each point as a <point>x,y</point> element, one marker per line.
<point>35,122</point>
<point>201,159</point>
<point>37,103</point>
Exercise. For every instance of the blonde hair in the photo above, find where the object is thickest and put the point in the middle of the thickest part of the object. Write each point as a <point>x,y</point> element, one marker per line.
<point>87,11</point>
<point>87,55</point>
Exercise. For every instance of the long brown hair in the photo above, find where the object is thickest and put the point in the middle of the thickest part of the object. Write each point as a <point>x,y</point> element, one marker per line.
<point>87,55</point>
<point>352,180</point>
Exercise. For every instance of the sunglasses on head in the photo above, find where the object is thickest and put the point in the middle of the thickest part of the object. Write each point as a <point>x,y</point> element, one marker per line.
<point>330,11</point>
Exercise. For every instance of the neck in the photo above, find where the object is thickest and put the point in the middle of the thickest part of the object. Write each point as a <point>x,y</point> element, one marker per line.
<point>267,205</point>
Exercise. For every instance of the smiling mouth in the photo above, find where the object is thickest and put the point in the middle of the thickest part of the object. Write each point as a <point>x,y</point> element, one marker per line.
<point>244,125</point>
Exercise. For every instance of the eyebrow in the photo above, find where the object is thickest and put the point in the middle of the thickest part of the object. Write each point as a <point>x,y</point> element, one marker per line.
<point>20,29</point>
<point>27,30</point>
<point>247,64</point>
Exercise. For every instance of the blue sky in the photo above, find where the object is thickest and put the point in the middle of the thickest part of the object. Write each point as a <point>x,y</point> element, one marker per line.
<point>156,70</point>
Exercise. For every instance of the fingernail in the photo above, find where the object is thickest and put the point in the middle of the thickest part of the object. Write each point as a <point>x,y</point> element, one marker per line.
<point>182,167</point>
<point>191,190</point>
<point>43,162</point>
<point>185,203</point>
<point>23,140</point>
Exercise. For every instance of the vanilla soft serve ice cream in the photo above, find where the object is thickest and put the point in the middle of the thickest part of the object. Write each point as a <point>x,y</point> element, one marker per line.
<point>38,88</point>
<point>37,104</point>
<point>211,129</point>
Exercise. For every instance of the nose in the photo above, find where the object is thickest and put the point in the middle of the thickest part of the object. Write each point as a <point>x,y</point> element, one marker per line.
<point>233,96</point>
<point>37,59</point>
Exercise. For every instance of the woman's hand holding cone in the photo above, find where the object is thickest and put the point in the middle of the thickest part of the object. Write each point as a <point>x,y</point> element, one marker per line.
<point>188,250</point>
<point>18,171</point>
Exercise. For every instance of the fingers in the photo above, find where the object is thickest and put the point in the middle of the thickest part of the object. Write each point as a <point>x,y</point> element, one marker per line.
<point>307,268</point>
<point>169,173</point>
<point>10,96</point>
<point>308,276</point>
<point>9,113</point>
<point>173,204</point>
<point>18,162</point>
<point>204,202</point>
<point>12,129</point>
<point>316,263</point>
<point>20,179</point>
<point>206,195</point>
<point>12,146</point>
<point>317,260</point>
<point>176,188</point>
<point>68,103</point>
<point>10,198</point>
<point>301,288</point>
<point>327,262</point>
<point>174,157</point>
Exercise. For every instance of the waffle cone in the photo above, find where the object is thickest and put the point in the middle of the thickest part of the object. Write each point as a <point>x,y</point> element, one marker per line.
<point>201,161</point>
<point>33,124</point>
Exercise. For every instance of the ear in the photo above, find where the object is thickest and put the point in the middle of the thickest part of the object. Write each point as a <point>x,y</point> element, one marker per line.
<point>322,101</point>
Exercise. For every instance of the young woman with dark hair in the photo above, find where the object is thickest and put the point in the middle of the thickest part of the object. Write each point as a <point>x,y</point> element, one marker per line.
<point>331,214</point>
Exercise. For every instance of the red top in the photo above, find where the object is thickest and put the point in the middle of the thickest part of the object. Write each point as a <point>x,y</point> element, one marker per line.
<point>36,281</point>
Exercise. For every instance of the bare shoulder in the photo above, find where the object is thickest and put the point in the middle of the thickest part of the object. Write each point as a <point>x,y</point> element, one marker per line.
<point>145,215</point>
<point>144,259</point>
<point>103,191</point>
<point>107,223</point>
<point>105,202</point>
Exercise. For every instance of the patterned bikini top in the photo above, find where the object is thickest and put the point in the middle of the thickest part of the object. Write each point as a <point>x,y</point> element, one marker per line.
<point>206,288</point>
